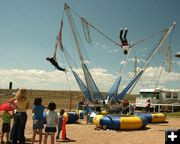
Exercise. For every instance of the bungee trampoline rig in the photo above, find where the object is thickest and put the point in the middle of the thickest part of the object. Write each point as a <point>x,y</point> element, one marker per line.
<point>88,85</point>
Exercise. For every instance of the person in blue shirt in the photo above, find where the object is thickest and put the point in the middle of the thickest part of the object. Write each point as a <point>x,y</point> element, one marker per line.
<point>38,119</point>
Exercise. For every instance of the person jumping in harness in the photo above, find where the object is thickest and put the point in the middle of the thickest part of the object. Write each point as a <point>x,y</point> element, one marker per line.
<point>54,63</point>
<point>124,42</point>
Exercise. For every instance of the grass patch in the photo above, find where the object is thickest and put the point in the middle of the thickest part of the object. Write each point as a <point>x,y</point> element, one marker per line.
<point>173,114</point>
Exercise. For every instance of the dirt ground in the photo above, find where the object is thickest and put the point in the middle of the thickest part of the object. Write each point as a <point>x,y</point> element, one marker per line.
<point>82,133</point>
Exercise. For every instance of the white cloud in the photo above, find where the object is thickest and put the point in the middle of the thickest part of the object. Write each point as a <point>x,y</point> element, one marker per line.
<point>32,78</point>
<point>133,60</point>
<point>113,51</point>
<point>106,48</point>
<point>176,63</point>
<point>40,79</point>
<point>150,77</point>
<point>101,46</point>
<point>56,80</point>
<point>97,44</point>
<point>87,62</point>
<point>153,72</point>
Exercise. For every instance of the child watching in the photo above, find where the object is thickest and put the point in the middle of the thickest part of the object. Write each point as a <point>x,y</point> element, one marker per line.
<point>6,117</point>
<point>38,122</point>
<point>60,119</point>
<point>51,122</point>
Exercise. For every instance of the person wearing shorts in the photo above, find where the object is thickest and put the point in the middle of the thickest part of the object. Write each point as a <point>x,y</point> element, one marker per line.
<point>6,117</point>
<point>38,119</point>
<point>51,122</point>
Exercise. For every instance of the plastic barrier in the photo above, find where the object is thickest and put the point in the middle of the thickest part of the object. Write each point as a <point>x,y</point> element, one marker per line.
<point>117,122</point>
<point>154,117</point>
<point>80,113</point>
<point>71,117</point>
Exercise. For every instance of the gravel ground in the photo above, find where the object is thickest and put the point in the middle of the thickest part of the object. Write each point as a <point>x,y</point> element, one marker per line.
<point>82,133</point>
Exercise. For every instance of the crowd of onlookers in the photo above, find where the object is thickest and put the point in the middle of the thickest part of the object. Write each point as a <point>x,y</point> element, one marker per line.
<point>48,121</point>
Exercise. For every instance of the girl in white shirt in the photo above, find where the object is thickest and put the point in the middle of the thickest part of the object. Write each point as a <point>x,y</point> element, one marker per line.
<point>51,122</point>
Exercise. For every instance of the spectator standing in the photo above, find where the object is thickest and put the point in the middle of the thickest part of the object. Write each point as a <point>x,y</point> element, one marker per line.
<point>20,117</point>
<point>38,119</point>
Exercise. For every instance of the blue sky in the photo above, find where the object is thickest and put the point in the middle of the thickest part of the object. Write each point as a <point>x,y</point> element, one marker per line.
<point>28,29</point>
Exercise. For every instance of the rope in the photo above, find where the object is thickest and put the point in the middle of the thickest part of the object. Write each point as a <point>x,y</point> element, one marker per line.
<point>70,93</point>
<point>135,69</point>
<point>160,74</point>
<point>132,45</point>
<point>140,41</point>
<point>169,59</point>
<point>126,63</point>
<point>59,40</point>
<point>83,19</point>
<point>83,53</point>
<point>169,53</point>
<point>148,59</point>
<point>59,37</point>
<point>86,30</point>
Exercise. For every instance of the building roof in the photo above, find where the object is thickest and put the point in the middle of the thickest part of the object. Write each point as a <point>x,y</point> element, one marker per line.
<point>160,89</point>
